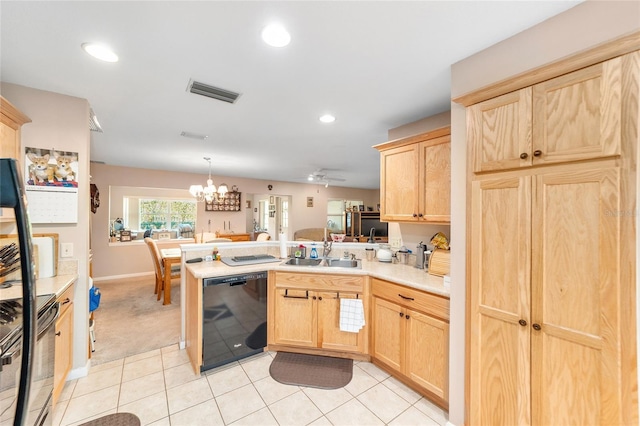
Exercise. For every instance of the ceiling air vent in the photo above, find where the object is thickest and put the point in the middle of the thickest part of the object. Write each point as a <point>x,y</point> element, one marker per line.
<point>212,92</point>
<point>94,126</point>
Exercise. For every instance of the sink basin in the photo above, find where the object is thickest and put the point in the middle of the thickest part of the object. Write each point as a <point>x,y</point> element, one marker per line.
<point>302,262</point>
<point>344,263</point>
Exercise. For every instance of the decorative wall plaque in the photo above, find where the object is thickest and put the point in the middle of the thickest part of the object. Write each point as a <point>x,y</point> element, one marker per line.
<point>229,203</point>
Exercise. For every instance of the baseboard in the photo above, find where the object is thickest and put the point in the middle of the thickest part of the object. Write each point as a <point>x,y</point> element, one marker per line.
<point>119,277</point>
<point>77,373</point>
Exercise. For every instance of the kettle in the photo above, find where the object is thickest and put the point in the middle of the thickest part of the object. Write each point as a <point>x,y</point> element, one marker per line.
<point>384,253</point>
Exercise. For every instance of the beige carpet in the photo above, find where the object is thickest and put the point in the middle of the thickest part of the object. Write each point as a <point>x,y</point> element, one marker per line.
<point>130,320</point>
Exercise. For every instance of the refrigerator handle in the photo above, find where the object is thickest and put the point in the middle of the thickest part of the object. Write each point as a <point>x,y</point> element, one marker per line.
<point>12,195</point>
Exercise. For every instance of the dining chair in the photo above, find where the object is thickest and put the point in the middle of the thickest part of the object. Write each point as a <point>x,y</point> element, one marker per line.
<point>264,236</point>
<point>204,237</point>
<point>156,257</point>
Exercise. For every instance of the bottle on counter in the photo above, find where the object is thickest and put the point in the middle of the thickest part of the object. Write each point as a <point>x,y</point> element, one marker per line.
<point>314,252</point>
<point>215,253</point>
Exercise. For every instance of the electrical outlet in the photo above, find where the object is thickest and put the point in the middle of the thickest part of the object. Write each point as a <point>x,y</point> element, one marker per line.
<point>66,250</point>
<point>395,242</point>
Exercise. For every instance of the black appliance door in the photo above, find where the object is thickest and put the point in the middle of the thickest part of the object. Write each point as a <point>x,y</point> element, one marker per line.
<point>234,318</point>
<point>12,196</point>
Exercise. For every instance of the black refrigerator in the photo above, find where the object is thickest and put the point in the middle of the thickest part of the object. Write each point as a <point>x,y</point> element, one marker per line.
<point>27,331</point>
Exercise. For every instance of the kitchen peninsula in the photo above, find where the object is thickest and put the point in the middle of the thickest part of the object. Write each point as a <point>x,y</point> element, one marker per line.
<point>406,312</point>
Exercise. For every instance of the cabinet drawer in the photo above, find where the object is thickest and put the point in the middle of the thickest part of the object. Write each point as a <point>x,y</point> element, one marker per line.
<point>323,282</point>
<point>431,304</point>
<point>66,299</point>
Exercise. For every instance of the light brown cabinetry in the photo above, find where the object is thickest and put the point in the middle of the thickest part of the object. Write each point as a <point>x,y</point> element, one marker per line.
<point>304,312</point>
<point>568,118</point>
<point>11,120</point>
<point>410,336</point>
<point>552,334</point>
<point>415,178</point>
<point>64,342</point>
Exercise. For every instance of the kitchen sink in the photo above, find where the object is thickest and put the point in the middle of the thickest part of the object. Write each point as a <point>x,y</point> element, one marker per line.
<point>302,262</point>
<point>335,263</point>
<point>344,263</point>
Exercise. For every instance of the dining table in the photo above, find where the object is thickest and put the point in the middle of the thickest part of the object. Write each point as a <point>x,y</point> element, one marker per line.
<point>170,256</point>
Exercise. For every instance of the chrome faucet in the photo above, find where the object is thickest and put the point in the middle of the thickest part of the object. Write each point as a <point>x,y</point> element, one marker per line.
<point>326,248</point>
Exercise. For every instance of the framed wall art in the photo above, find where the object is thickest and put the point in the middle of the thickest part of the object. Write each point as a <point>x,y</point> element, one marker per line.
<point>231,202</point>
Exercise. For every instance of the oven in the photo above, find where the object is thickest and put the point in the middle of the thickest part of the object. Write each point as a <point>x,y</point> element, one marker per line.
<point>11,358</point>
<point>234,317</point>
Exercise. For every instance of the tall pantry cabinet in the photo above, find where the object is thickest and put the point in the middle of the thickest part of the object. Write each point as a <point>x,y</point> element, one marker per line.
<point>552,322</point>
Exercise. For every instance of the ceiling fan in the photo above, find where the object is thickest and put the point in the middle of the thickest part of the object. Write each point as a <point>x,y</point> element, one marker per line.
<point>320,176</point>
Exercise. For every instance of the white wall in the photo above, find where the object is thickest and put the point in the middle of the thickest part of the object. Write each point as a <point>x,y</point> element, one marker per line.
<point>118,261</point>
<point>61,122</point>
<point>578,29</point>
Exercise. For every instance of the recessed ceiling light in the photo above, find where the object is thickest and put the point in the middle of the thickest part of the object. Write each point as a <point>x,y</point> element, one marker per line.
<point>327,118</point>
<point>276,35</point>
<point>100,51</point>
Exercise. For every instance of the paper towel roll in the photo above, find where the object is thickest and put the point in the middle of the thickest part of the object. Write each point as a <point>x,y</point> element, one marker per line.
<point>283,246</point>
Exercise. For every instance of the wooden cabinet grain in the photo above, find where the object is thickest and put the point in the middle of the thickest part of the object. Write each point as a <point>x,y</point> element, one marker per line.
<point>549,318</point>
<point>11,120</point>
<point>415,178</point>
<point>64,342</point>
<point>411,336</point>
<point>305,312</point>
<point>572,117</point>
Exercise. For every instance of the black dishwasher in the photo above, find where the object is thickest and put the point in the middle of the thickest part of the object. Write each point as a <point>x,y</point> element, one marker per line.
<point>234,317</point>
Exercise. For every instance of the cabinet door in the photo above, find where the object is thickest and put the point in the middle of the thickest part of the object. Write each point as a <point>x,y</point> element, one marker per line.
<point>577,116</point>
<point>388,338</point>
<point>435,168</point>
<point>399,182</point>
<point>295,318</point>
<point>427,359</point>
<point>576,346</point>
<point>63,351</point>
<point>499,131</point>
<point>499,301</point>
<point>329,334</point>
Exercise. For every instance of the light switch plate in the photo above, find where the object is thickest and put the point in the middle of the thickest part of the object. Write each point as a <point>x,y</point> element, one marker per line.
<point>66,250</point>
<point>395,242</point>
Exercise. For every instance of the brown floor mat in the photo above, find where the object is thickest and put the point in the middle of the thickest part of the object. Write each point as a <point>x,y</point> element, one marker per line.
<point>118,419</point>
<point>311,370</point>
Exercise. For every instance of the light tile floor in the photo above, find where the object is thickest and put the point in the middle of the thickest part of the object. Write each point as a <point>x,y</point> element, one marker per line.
<point>161,388</point>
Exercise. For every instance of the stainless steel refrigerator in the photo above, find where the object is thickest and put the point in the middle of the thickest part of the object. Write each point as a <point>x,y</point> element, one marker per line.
<point>27,320</point>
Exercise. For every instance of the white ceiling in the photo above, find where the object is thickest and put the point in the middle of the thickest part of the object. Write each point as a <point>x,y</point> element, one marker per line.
<point>374,65</point>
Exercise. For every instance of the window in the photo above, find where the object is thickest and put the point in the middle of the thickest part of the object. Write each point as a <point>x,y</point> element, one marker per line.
<point>335,212</point>
<point>165,214</point>
<point>284,218</point>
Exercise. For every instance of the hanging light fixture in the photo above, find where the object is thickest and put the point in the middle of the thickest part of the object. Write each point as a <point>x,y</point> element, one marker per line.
<point>209,192</point>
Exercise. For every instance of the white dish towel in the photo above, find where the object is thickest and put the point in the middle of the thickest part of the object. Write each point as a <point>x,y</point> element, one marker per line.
<point>351,315</point>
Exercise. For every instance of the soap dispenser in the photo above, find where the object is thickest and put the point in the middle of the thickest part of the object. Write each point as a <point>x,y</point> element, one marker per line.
<point>314,252</point>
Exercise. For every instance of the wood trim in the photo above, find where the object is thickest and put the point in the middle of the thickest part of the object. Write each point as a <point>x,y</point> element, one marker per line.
<point>628,220</point>
<point>323,352</point>
<point>585,58</point>
<point>13,114</point>
<point>432,134</point>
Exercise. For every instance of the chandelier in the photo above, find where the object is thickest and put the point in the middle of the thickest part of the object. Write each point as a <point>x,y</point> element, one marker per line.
<point>209,192</point>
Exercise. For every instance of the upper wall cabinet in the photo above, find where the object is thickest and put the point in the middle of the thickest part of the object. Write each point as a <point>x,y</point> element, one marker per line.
<point>572,117</point>
<point>11,119</point>
<point>415,178</point>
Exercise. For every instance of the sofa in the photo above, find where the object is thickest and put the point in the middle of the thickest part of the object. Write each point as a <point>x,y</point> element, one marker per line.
<point>314,234</point>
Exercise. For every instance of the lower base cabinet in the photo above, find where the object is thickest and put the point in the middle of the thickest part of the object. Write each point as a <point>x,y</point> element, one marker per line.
<point>64,342</point>
<point>410,336</point>
<point>305,312</point>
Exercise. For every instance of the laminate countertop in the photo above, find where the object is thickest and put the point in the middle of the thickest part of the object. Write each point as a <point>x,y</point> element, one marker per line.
<point>52,285</point>
<point>407,275</point>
